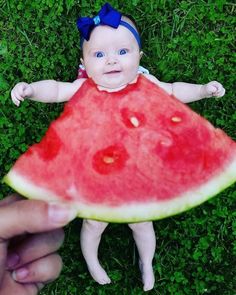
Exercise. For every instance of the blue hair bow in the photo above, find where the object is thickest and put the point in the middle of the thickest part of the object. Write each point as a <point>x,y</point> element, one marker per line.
<point>106,16</point>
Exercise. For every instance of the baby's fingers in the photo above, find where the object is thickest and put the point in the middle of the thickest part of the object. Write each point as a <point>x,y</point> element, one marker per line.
<point>16,97</point>
<point>20,91</point>
<point>216,89</point>
<point>15,101</point>
<point>220,91</point>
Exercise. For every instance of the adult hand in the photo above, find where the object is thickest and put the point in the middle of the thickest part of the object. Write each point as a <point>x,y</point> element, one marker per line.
<point>30,233</point>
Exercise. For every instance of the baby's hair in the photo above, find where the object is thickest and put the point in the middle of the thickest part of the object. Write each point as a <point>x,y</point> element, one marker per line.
<point>129,19</point>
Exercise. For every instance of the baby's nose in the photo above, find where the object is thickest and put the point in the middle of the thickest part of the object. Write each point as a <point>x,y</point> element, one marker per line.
<point>111,59</point>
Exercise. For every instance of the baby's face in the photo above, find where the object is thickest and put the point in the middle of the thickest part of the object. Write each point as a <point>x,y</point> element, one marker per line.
<point>111,56</point>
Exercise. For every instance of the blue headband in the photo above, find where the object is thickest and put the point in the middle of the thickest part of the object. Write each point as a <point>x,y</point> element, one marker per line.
<point>106,16</point>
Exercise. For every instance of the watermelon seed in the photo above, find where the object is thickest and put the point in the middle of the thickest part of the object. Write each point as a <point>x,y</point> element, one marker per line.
<point>164,143</point>
<point>134,121</point>
<point>176,119</point>
<point>108,160</point>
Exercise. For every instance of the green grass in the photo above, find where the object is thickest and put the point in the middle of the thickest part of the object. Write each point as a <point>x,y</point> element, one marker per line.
<point>188,41</point>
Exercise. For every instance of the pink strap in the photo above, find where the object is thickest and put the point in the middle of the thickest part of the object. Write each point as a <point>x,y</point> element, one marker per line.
<point>82,73</point>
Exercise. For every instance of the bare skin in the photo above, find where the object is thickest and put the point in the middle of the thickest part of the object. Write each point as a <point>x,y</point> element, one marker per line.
<point>30,235</point>
<point>145,240</point>
<point>90,238</point>
<point>113,64</point>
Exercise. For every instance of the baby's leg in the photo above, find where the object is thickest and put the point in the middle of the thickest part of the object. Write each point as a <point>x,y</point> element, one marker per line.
<point>89,239</point>
<point>145,240</point>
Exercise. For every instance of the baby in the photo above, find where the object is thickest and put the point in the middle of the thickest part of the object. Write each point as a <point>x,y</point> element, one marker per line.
<point>111,55</point>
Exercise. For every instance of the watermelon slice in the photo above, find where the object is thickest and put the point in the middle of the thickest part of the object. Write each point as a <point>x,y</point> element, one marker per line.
<point>134,155</point>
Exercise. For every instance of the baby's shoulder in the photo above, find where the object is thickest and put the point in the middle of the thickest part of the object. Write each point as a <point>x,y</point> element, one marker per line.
<point>68,89</point>
<point>152,78</point>
<point>166,86</point>
<point>78,83</point>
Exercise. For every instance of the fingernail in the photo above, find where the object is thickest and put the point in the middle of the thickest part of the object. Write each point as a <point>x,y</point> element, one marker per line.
<point>61,213</point>
<point>20,274</point>
<point>12,260</point>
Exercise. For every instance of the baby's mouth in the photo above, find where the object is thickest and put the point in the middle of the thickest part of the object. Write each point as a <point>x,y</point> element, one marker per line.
<point>112,72</point>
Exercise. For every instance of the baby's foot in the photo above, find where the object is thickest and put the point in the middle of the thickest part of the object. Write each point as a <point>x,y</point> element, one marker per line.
<point>148,277</point>
<point>99,274</point>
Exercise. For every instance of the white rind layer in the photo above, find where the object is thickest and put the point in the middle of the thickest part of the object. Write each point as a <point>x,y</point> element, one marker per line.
<point>137,211</point>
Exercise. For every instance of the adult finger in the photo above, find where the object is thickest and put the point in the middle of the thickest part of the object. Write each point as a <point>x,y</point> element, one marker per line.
<point>3,255</point>
<point>3,247</point>
<point>35,247</point>
<point>44,270</point>
<point>10,199</point>
<point>10,286</point>
<point>31,216</point>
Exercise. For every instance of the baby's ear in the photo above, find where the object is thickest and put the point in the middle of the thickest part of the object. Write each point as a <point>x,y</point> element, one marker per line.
<point>141,54</point>
<point>82,61</point>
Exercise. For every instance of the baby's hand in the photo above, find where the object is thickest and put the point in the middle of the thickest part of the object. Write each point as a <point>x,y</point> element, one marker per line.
<point>20,91</point>
<point>213,88</point>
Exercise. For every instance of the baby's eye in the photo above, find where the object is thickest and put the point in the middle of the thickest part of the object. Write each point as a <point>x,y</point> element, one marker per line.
<point>123,51</point>
<point>99,54</point>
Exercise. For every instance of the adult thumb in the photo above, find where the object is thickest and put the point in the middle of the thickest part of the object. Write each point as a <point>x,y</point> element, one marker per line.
<point>32,216</point>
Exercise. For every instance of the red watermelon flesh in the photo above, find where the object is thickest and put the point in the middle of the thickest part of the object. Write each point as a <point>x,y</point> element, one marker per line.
<point>133,155</point>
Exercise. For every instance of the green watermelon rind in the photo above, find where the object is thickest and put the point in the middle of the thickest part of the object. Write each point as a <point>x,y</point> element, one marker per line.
<point>135,212</point>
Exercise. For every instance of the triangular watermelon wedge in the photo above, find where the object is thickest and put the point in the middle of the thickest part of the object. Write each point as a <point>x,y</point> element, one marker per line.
<point>134,155</point>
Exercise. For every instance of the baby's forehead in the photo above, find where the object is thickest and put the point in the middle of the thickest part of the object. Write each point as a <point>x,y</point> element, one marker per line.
<point>102,35</point>
<point>103,29</point>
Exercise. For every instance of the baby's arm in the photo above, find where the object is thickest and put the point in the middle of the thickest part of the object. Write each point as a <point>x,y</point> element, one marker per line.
<point>45,91</point>
<point>187,92</point>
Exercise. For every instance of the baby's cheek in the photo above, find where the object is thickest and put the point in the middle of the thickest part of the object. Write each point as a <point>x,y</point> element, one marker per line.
<point>92,74</point>
<point>134,66</point>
